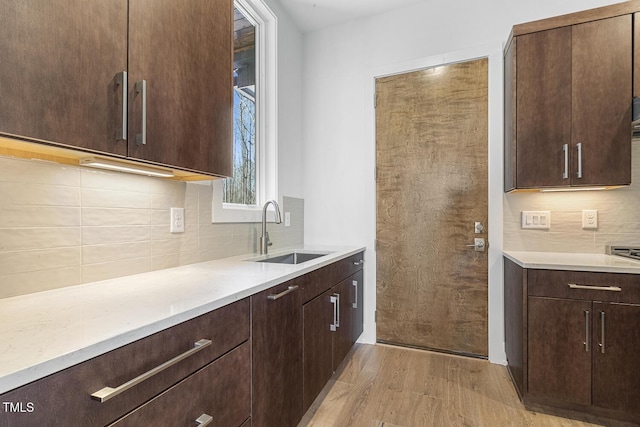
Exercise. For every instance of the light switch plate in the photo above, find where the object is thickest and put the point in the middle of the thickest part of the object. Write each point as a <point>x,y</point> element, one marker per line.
<point>539,220</point>
<point>589,219</point>
<point>177,220</point>
<point>287,219</point>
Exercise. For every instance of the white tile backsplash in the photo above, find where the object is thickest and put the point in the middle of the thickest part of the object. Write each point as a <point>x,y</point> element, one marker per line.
<point>618,217</point>
<point>65,225</point>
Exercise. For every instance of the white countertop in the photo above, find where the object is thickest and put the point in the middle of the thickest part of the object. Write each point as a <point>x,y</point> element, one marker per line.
<point>46,332</point>
<point>574,261</point>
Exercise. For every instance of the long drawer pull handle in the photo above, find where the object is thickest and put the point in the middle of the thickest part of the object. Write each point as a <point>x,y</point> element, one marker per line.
<point>122,80</point>
<point>141,87</point>
<point>204,420</point>
<point>596,288</point>
<point>355,285</point>
<point>602,332</point>
<point>107,393</point>
<point>281,294</point>
<point>358,262</point>
<point>586,331</point>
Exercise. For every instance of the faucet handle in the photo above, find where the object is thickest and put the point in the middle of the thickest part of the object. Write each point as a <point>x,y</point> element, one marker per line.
<point>266,237</point>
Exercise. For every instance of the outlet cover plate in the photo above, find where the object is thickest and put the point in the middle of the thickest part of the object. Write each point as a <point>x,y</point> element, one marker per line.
<point>589,219</point>
<point>177,220</point>
<point>539,220</point>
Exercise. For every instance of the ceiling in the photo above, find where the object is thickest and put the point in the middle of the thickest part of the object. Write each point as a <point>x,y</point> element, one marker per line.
<point>312,15</point>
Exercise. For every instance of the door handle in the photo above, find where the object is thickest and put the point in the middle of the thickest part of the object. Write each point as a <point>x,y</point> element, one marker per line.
<point>565,149</point>
<point>204,420</point>
<point>355,285</point>
<point>586,331</point>
<point>579,160</point>
<point>141,88</point>
<point>334,300</point>
<point>478,244</point>
<point>602,332</point>
<point>121,79</point>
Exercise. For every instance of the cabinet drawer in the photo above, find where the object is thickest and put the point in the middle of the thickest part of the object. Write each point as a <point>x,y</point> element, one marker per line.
<point>607,287</point>
<point>318,281</point>
<point>221,390</point>
<point>66,396</point>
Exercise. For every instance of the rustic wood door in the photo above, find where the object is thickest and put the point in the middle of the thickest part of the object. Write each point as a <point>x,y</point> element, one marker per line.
<point>432,186</point>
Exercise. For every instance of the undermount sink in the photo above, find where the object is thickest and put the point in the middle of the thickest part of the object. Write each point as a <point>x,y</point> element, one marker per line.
<point>293,258</point>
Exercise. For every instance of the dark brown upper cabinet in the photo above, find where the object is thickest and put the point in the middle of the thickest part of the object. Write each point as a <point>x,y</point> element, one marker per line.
<point>183,51</point>
<point>60,62</point>
<point>568,96</point>
<point>146,80</point>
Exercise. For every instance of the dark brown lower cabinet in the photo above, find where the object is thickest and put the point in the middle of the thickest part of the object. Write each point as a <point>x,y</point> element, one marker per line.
<point>64,398</point>
<point>573,339</point>
<point>220,392</point>
<point>277,356</point>
<point>331,324</point>
<point>616,352</point>
<point>559,350</point>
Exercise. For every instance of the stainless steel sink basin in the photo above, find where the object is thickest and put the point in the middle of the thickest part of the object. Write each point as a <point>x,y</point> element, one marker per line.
<point>293,258</point>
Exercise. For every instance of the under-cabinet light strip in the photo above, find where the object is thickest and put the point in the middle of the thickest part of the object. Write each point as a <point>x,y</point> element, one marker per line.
<point>124,167</point>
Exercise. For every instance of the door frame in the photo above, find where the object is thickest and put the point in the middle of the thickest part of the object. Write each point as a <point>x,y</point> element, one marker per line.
<point>493,52</point>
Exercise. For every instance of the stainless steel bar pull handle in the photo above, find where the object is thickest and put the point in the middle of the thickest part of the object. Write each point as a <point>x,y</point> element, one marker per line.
<point>107,393</point>
<point>122,80</point>
<point>334,300</point>
<point>565,174</point>
<point>602,332</point>
<point>141,88</point>
<point>596,288</point>
<point>281,294</point>
<point>338,311</point>
<point>358,262</point>
<point>586,331</point>
<point>204,420</point>
<point>580,160</point>
<point>355,285</point>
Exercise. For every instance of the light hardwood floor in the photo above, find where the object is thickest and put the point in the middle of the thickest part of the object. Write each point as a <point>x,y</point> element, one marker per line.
<point>389,386</point>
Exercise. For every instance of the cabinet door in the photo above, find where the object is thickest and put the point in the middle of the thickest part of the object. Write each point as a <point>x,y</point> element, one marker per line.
<point>59,66</point>
<point>183,50</point>
<point>543,108</point>
<point>601,101</point>
<point>357,281</point>
<point>277,356</point>
<point>616,345</point>
<point>559,345</point>
<point>343,337</point>
<point>318,363</point>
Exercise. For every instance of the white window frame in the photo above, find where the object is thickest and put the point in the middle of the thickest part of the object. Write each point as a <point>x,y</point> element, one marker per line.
<point>266,119</point>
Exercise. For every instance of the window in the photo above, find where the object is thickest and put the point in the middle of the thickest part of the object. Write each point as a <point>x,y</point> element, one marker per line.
<point>240,198</point>
<point>241,188</point>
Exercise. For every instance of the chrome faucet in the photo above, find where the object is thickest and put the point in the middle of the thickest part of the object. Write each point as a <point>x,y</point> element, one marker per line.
<point>264,239</point>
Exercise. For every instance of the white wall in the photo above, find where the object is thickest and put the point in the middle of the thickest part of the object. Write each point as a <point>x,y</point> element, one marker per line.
<point>338,116</point>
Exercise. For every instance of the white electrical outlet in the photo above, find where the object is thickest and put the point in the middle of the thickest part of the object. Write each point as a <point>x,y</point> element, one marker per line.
<point>589,219</point>
<point>177,220</point>
<point>540,220</point>
<point>287,219</point>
